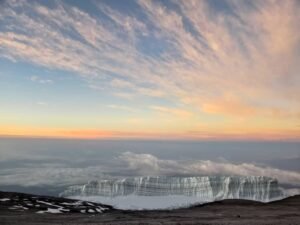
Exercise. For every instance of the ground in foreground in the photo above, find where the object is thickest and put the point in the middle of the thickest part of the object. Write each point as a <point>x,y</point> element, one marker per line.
<point>285,211</point>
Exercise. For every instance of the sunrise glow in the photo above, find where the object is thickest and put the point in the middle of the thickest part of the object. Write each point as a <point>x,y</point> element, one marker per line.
<point>150,70</point>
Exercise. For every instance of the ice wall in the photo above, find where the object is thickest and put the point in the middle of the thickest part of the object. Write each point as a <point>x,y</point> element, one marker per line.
<point>206,188</point>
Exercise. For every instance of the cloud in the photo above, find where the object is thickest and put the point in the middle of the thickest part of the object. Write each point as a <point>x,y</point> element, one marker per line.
<point>42,103</point>
<point>242,61</point>
<point>122,107</point>
<point>58,172</point>
<point>41,81</point>
<point>147,164</point>
<point>180,113</point>
<point>56,176</point>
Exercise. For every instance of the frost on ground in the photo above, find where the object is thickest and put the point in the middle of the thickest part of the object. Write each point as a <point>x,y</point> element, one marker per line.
<point>43,204</point>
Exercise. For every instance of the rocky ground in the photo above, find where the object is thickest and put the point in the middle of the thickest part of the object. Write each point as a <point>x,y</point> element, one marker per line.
<point>18,209</point>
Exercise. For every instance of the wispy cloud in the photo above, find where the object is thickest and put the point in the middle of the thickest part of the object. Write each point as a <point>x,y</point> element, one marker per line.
<point>40,80</point>
<point>181,113</point>
<point>42,103</point>
<point>239,62</point>
<point>122,107</point>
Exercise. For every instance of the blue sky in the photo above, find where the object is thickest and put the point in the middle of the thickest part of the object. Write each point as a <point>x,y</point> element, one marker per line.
<point>150,69</point>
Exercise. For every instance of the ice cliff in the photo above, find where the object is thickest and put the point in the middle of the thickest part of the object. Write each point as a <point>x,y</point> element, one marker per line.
<point>206,188</point>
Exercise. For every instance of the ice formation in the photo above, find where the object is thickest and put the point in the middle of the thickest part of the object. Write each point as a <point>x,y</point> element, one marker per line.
<point>204,188</point>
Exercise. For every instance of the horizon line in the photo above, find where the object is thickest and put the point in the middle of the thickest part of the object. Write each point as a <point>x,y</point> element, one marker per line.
<point>135,138</point>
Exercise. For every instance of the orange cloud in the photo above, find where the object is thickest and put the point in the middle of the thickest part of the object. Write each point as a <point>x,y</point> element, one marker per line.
<point>180,113</point>
<point>203,134</point>
<point>229,106</point>
<point>52,132</point>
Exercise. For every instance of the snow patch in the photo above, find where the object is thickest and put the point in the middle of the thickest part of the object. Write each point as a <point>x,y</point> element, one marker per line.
<point>18,207</point>
<point>50,210</point>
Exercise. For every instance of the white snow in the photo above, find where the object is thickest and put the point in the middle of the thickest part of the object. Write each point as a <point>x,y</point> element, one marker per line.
<point>65,210</point>
<point>50,210</point>
<point>40,212</point>
<point>18,207</point>
<point>48,203</point>
<point>67,203</point>
<point>72,203</point>
<point>207,188</point>
<point>4,199</point>
<point>90,204</point>
<point>143,202</point>
<point>292,191</point>
<point>171,192</point>
<point>98,210</point>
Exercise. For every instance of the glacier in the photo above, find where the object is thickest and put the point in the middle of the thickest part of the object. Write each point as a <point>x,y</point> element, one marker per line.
<point>178,191</point>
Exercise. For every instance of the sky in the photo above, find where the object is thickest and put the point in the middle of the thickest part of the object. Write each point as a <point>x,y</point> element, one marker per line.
<point>174,69</point>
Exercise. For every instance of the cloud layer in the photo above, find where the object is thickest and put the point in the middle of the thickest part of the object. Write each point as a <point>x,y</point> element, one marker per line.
<point>131,164</point>
<point>147,164</point>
